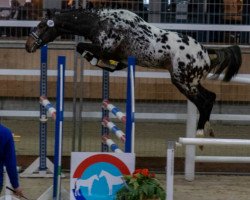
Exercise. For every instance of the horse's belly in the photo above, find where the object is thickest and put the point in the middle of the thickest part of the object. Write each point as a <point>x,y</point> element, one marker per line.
<point>146,57</point>
<point>151,63</point>
<point>154,61</point>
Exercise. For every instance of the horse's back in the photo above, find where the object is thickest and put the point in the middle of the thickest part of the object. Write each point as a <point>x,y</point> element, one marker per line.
<point>153,47</point>
<point>118,14</point>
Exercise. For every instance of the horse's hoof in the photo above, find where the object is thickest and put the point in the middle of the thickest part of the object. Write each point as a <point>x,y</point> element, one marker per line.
<point>200,133</point>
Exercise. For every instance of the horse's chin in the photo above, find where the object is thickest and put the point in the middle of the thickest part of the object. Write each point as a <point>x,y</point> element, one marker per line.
<point>31,49</point>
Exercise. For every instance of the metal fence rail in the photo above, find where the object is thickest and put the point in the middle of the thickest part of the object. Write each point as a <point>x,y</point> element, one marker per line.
<point>214,18</point>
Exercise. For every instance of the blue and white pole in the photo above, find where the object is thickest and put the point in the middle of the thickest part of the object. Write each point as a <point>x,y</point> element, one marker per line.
<point>114,129</point>
<point>59,128</point>
<point>111,144</point>
<point>130,107</point>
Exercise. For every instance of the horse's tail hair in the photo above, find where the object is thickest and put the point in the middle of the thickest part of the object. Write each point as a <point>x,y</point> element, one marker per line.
<point>228,59</point>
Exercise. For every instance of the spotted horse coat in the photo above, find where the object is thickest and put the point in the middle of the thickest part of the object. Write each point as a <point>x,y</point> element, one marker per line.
<point>117,34</point>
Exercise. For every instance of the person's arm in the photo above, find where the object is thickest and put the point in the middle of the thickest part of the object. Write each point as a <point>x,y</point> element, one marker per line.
<point>11,164</point>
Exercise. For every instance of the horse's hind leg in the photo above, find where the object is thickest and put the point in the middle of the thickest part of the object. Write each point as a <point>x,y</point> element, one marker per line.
<point>206,108</point>
<point>203,99</point>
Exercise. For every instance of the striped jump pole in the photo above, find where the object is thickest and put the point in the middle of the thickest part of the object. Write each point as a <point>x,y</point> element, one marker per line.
<point>48,106</point>
<point>113,128</point>
<point>115,111</point>
<point>111,144</point>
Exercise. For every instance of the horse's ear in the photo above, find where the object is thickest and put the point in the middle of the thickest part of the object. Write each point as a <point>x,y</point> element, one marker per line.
<point>48,14</point>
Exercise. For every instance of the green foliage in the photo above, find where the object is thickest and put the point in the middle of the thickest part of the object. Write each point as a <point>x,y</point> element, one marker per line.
<point>141,185</point>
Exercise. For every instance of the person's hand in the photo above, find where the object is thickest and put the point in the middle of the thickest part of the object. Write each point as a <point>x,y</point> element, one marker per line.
<point>18,192</point>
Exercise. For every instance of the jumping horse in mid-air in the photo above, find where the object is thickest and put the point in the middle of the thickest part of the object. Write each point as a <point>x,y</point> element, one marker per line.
<point>117,34</point>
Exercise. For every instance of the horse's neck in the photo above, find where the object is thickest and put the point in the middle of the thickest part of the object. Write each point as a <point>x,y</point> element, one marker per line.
<point>76,24</point>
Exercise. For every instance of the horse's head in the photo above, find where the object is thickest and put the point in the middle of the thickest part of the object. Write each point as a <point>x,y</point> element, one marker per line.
<point>44,33</point>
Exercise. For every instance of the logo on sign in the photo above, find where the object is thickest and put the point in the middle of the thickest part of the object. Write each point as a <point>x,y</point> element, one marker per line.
<point>98,177</point>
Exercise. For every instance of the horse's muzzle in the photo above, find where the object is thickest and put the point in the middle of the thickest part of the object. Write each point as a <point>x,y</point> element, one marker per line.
<point>30,47</point>
<point>33,43</point>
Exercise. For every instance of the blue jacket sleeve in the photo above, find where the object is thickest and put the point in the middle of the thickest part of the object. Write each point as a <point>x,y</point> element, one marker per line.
<point>10,161</point>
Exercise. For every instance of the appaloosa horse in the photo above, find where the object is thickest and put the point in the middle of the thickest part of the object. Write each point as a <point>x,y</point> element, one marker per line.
<point>117,34</point>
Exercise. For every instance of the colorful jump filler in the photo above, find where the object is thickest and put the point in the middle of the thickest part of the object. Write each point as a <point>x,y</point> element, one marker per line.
<point>98,176</point>
<point>113,128</point>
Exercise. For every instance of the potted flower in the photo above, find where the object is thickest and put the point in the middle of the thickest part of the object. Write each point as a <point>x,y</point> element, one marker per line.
<point>141,185</point>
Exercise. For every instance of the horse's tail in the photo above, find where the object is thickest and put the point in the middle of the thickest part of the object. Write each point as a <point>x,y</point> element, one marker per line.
<point>228,59</point>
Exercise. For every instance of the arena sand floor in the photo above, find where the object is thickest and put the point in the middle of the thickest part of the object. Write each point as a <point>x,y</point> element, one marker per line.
<point>204,187</point>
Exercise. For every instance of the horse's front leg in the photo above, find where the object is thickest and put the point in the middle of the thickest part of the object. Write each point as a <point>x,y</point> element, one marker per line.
<point>92,54</point>
<point>89,51</point>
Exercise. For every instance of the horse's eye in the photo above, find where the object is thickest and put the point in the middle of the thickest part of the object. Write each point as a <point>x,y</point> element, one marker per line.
<point>41,26</point>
